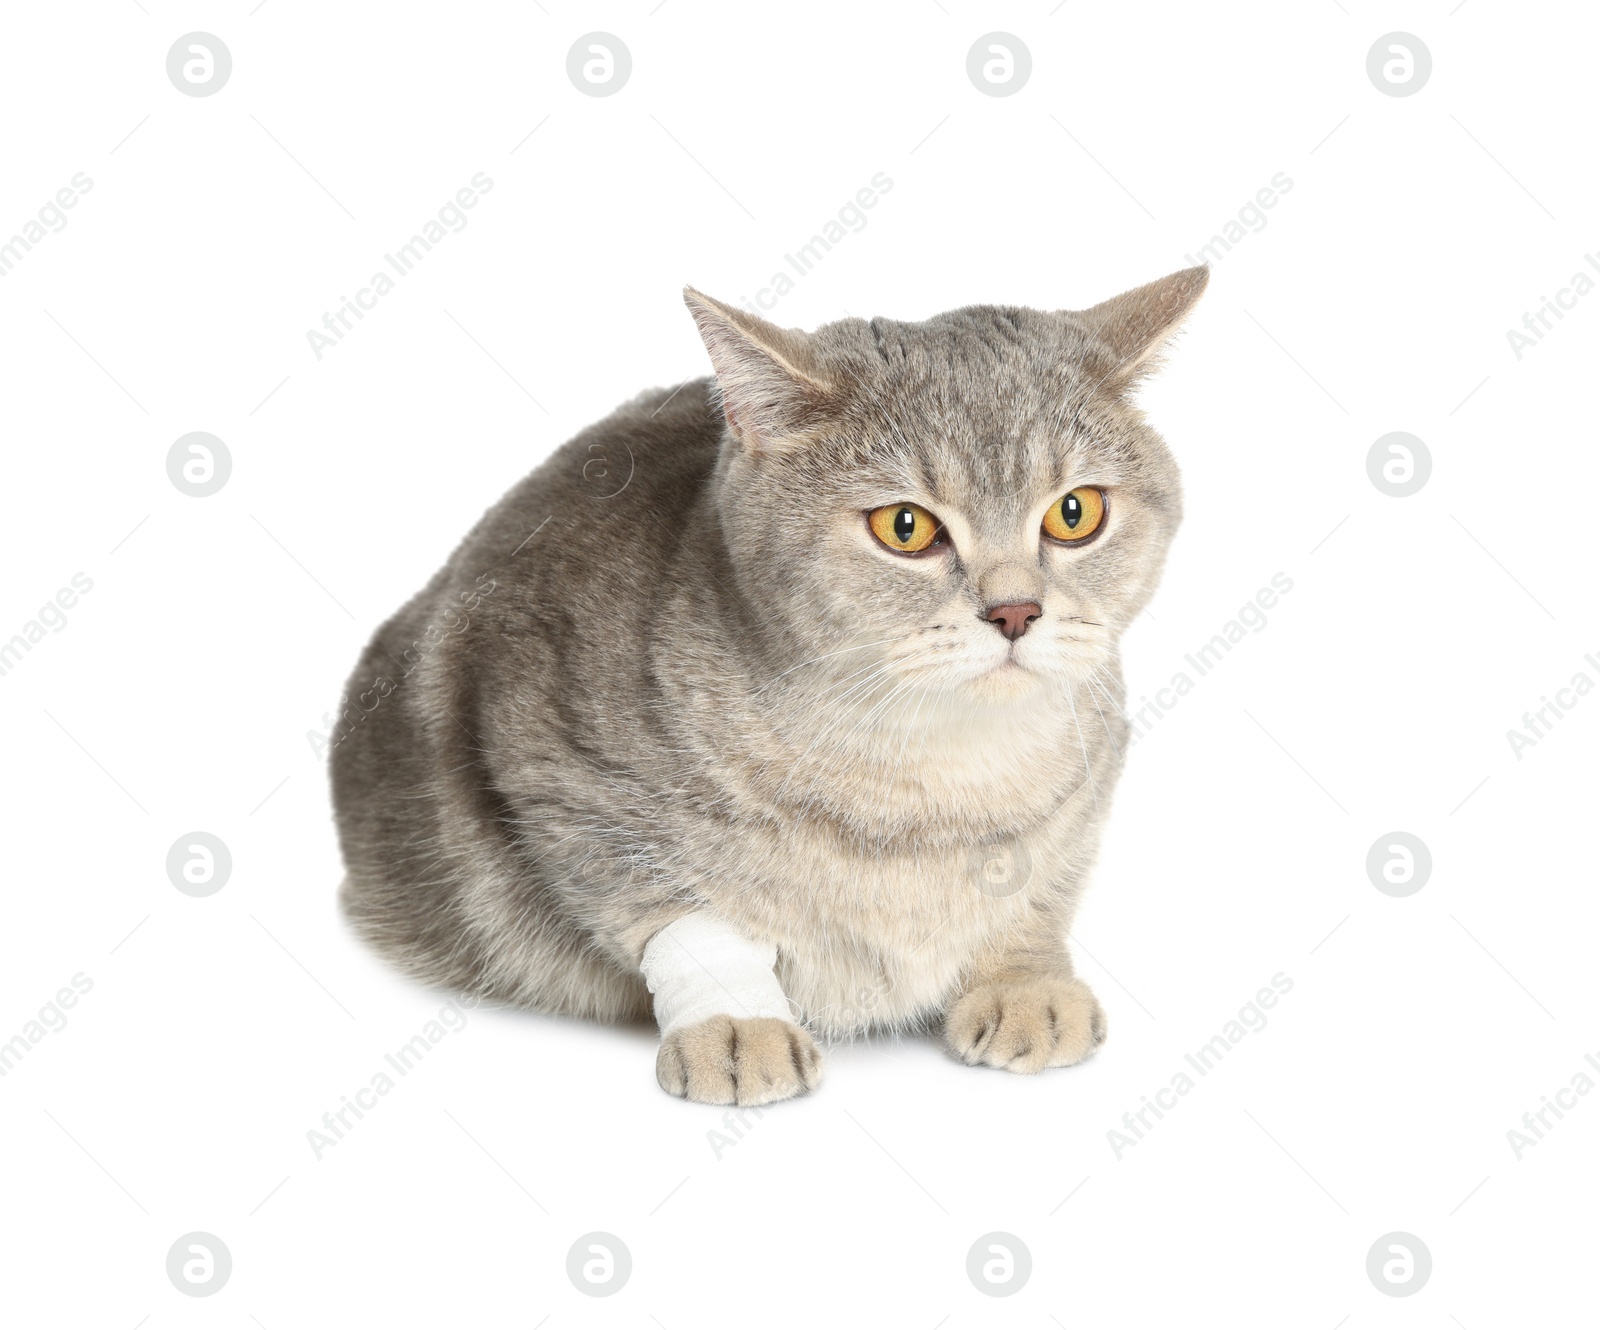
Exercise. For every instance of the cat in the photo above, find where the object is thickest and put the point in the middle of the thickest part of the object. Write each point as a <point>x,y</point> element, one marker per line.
<point>785,705</point>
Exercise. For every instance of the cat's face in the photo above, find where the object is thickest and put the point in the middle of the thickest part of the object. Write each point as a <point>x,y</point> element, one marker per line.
<point>970,504</point>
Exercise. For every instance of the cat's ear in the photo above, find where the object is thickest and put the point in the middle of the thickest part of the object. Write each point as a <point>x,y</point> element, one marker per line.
<point>772,391</point>
<point>1133,328</point>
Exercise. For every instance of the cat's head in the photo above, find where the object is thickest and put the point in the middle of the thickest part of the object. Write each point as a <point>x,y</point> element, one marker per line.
<point>970,503</point>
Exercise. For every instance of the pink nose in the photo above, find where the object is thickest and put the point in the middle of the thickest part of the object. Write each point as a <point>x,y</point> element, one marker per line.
<point>1013,620</point>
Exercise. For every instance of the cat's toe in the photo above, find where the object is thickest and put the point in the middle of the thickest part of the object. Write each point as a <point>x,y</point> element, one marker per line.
<point>738,1060</point>
<point>1026,1025</point>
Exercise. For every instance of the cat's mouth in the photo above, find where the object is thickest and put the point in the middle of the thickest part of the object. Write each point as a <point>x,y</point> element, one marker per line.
<point>1006,672</point>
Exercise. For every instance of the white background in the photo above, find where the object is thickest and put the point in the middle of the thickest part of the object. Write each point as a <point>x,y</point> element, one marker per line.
<point>180,693</point>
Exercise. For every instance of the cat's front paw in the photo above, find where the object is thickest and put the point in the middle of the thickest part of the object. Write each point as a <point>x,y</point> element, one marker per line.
<point>738,1060</point>
<point>1025,1025</point>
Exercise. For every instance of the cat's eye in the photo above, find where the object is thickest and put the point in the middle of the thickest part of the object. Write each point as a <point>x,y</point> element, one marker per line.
<point>905,528</point>
<point>1077,515</point>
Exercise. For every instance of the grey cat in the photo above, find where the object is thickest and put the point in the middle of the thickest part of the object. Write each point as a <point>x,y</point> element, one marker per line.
<point>785,703</point>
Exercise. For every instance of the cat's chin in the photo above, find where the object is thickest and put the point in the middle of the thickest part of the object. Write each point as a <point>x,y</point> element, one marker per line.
<point>1006,680</point>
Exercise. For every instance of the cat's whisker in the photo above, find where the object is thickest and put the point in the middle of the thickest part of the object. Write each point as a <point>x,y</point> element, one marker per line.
<point>827,655</point>
<point>840,698</point>
<point>905,685</point>
<point>1087,774</point>
<point>1093,689</point>
<point>842,714</point>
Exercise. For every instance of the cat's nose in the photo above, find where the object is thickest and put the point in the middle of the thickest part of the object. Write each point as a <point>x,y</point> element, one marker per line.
<point>1013,620</point>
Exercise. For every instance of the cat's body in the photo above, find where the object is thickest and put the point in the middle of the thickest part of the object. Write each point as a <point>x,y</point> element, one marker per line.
<point>711,691</point>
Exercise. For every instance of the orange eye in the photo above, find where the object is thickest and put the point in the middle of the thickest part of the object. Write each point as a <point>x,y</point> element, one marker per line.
<point>904,527</point>
<point>1077,516</point>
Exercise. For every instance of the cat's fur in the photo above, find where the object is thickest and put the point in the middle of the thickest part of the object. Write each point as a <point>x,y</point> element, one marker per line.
<point>713,689</point>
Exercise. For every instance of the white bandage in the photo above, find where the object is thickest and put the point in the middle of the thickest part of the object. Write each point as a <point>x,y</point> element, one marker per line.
<point>698,967</point>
